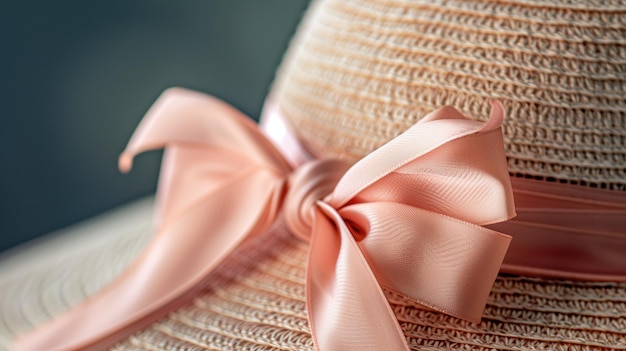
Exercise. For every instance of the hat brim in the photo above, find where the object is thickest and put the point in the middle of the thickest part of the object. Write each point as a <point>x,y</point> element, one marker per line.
<point>261,304</point>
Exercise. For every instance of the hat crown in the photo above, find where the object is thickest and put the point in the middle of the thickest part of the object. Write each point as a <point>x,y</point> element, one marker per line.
<point>358,73</point>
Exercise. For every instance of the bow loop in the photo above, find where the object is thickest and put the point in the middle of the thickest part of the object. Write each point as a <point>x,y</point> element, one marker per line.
<point>181,117</point>
<point>439,261</point>
<point>443,155</point>
<point>221,182</point>
<point>455,179</point>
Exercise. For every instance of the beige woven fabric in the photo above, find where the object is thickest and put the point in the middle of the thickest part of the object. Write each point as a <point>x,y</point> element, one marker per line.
<point>46,277</point>
<point>263,308</point>
<point>362,71</point>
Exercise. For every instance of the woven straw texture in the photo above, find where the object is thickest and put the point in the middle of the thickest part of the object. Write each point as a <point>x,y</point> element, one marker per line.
<point>259,304</point>
<point>360,72</point>
<point>62,269</point>
<point>256,300</point>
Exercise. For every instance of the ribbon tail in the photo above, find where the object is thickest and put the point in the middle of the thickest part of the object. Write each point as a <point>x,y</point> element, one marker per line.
<point>174,265</point>
<point>347,308</point>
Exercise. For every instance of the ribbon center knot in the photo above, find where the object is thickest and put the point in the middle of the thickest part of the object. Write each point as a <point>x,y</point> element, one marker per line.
<point>309,184</point>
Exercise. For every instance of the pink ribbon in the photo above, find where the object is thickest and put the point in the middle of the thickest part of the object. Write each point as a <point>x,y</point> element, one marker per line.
<point>566,231</point>
<point>562,231</point>
<point>408,217</point>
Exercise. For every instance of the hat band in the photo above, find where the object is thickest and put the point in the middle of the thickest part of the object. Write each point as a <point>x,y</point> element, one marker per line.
<point>566,231</point>
<point>561,230</point>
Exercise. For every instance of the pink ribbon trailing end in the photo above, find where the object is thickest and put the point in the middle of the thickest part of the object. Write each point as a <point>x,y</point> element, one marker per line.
<point>409,217</point>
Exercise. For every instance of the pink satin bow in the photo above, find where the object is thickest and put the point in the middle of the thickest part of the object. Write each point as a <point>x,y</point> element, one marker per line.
<point>408,217</point>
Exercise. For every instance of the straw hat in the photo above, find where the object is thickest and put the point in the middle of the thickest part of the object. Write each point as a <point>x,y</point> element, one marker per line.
<point>358,74</point>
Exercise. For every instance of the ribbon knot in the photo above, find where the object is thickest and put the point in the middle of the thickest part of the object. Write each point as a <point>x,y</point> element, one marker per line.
<point>309,184</point>
<point>408,217</point>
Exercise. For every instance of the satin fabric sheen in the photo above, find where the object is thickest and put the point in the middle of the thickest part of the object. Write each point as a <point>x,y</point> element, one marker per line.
<point>560,231</point>
<point>410,217</point>
<point>566,231</point>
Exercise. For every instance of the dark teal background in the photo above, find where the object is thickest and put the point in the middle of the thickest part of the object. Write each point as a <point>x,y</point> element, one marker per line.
<point>77,76</point>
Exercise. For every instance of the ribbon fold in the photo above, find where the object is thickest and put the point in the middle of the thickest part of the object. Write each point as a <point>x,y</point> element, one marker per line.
<point>408,217</point>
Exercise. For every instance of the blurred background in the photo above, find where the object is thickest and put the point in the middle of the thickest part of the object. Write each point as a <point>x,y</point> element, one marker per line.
<point>77,76</point>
